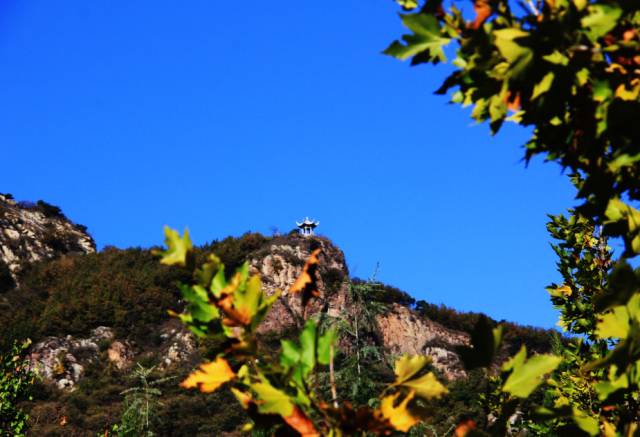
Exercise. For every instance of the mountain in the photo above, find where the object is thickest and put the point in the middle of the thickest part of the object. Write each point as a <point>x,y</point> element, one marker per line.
<point>32,232</point>
<point>93,315</point>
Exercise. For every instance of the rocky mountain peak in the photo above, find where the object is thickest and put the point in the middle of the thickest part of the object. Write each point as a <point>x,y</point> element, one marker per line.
<point>401,330</point>
<point>32,232</point>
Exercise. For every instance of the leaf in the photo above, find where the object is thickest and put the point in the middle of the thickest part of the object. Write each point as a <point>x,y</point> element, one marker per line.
<point>306,282</point>
<point>526,376</point>
<point>177,247</point>
<point>585,422</point>
<point>426,39</point>
<point>408,4</point>
<point>325,342</point>
<point>210,376</point>
<point>515,361</point>
<point>399,417</point>
<point>613,324</point>
<point>426,386</point>
<point>543,86</point>
<point>483,11</point>
<point>270,400</point>
<point>407,366</point>
<point>518,56</point>
<point>485,342</point>
<point>556,58</point>
<point>606,388</point>
<point>601,19</point>
<point>301,423</point>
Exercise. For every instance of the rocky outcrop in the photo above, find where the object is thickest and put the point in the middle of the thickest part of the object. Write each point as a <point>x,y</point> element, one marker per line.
<point>62,360</point>
<point>34,232</point>
<point>403,331</point>
<point>281,263</point>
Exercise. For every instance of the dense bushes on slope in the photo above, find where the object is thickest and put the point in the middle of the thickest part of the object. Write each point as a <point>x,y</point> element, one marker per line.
<point>124,289</point>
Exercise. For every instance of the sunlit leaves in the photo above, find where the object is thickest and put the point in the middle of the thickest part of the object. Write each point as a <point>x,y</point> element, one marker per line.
<point>398,415</point>
<point>526,374</point>
<point>271,400</point>
<point>600,20</point>
<point>510,43</point>
<point>425,386</point>
<point>209,376</point>
<point>614,324</point>
<point>177,247</point>
<point>426,40</point>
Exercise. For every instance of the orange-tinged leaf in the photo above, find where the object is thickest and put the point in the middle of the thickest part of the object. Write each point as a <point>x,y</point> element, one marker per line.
<point>463,428</point>
<point>242,397</point>
<point>209,376</point>
<point>565,289</point>
<point>306,282</point>
<point>483,11</point>
<point>301,423</point>
<point>399,417</point>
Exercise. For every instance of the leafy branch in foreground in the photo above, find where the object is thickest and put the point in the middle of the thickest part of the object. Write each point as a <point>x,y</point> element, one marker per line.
<point>570,69</point>
<point>15,381</point>
<point>283,392</point>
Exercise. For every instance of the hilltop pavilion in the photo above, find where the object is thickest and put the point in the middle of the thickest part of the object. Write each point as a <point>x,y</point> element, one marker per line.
<point>307,226</point>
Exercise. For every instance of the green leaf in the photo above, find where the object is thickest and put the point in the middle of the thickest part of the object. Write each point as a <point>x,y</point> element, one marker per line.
<point>518,56</point>
<point>585,422</point>
<point>325,342</point>
<point>426,386</point>
<point>613,324</point>
<point>543,86</point>
<point>606,388</point>
<point>271,400</point>
<point>308,347</point>
<point>177,247</point>
<point>515,361</point>
<point>601,19</point>
<point>527,376</point>
<point>556,58</point>
<point>624,160</point>
<point>426,39</point>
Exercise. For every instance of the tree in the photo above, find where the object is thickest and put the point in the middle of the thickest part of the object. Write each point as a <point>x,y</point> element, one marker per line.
<point>570,69</point>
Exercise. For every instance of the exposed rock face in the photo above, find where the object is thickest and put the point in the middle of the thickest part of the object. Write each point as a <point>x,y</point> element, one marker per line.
<point>31,233</point>
<point>180,345</point>
<point>62,360</point>
<point>279,266</point>
<point>401,329</point>
<point>404,332</point>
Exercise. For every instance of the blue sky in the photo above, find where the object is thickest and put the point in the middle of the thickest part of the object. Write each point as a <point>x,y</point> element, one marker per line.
<point>234,116</point>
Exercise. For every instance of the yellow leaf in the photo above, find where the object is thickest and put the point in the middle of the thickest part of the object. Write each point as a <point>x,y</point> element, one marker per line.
<point>209,376</point>
<point>565,289</point>
<point>608,430</point>
<point>406,366</point>
<point>426,386</point>
<point>399,416</point>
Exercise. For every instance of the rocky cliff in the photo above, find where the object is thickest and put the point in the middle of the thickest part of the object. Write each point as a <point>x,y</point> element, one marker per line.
<point>36,231</point>
<point>400,329</point>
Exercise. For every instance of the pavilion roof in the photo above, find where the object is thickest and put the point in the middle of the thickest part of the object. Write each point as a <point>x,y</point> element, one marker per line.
<point>308,223</point>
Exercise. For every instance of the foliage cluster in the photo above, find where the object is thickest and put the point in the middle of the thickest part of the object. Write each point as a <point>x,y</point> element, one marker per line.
<point>16,381</point>
<point>570,69</point>
<point>124,289</point>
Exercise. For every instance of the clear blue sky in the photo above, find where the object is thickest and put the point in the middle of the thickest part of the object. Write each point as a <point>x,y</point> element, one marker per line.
<point>234,116</point>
